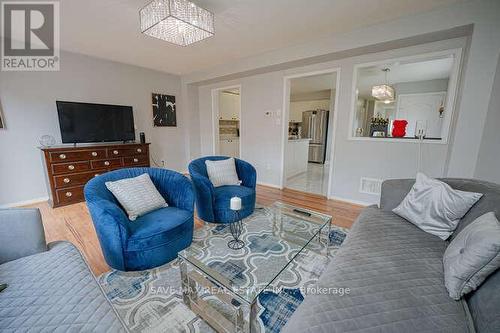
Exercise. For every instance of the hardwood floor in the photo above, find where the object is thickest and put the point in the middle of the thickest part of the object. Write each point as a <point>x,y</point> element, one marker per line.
<point>73,223</point>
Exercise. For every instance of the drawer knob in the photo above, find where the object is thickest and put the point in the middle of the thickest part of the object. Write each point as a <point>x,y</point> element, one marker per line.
<point>136,160</point>
<point>71,167</point>
<point>94,153</point>
<point>106,163</point>
<point>115,152</point>
<point>66,180</point>
<point>68,194</point>
<point>139,150</point>
<point>62,156</point>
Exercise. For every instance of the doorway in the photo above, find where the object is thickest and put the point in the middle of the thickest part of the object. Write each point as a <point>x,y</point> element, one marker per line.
<point>226,105</point>
<point>310,101</point>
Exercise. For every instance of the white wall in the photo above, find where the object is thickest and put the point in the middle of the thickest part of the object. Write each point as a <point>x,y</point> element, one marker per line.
<point>229,106</point>
<point>260,135</point>
<point>297,108</point>
<point>354,159</point>
<point>488,164</point>
<point>421,87</point>
<point>29,109</point>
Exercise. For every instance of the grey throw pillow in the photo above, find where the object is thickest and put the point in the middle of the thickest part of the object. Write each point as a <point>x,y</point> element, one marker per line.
<point>137,195</point>
<point>472,256</point>
<point>222,172</point>
<point>435,207</point>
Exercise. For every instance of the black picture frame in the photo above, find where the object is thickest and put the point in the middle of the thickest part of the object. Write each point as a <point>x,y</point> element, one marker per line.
<point>164,110</point>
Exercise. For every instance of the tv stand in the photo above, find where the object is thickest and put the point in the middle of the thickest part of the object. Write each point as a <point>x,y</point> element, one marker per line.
<point>69,168</point>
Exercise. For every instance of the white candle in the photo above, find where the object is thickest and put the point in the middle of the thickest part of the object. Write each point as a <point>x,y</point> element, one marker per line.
<point>235,203</point>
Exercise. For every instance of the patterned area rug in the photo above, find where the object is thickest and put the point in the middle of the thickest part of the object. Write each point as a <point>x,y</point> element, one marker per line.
<point>151,301</point>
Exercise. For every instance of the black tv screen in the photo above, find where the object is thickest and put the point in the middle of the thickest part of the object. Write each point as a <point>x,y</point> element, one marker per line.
<point>86,122</point>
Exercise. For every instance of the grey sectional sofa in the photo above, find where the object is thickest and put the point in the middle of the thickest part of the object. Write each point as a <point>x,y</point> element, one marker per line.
<point>395,275</point>
<point>50,287</point>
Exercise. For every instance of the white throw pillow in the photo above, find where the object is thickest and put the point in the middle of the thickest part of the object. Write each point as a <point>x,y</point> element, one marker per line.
<point>222,172</point>
<point>435,207</point>
<point>137,195</point>
<point>472,256</point>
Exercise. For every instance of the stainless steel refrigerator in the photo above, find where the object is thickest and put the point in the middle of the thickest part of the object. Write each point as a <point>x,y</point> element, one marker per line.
<point>315,127</point>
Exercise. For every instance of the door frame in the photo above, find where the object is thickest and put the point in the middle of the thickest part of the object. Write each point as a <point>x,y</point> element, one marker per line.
<point>286,119</point>
<point>215,117</point>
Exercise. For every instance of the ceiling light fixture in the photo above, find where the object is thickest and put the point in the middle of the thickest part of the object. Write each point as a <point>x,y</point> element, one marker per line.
<point>384,92</point>
<point>180,22</point>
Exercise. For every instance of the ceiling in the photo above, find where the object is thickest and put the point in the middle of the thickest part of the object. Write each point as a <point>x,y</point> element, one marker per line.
<point>311,84</point>
<point>110,28</point>
<point>404,72</point>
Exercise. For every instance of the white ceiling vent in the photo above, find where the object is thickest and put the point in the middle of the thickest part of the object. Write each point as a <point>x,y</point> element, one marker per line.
<point>370,185</point>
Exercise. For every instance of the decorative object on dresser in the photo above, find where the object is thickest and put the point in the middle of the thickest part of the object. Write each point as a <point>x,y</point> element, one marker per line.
<point>69,168</point>
<point>164,110</point>
<point>47,141</point>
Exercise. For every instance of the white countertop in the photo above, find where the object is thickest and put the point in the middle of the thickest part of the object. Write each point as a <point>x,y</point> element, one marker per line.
<point>299,140</point>
<point>228,137</point>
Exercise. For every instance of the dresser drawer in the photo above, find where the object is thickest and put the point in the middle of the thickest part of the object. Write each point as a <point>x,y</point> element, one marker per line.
<point>74,179</point>
<point>78,155</point>
<point>70,167</point>
<point>70,195</point>
<point>140,150</point>
<point>137,160</point>
<point>111,162</point>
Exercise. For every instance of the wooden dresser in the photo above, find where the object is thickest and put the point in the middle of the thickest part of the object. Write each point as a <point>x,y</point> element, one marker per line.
<point>68,169</point>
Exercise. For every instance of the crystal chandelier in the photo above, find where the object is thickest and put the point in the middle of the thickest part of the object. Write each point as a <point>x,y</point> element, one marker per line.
<point>179,22</point>
<point>384,92</point>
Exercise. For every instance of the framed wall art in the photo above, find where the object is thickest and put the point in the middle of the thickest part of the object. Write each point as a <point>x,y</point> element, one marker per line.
<point>164,110</point>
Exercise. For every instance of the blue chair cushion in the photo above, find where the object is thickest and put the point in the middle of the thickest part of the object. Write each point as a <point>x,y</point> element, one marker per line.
<point>159,227</point>
<point>223,195</point>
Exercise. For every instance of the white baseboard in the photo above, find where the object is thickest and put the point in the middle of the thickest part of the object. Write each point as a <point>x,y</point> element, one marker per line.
<point>24,203</point>
<point>356,202</point>
<point>269,185</point>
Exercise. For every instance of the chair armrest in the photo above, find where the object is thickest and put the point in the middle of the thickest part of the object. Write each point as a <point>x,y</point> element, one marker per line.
<point>112,228</point>
<point>205,196</point>
<point>177,190</point>
<point>21,233</point>
<point>116,212</point>
<point>393,192</point>
<point>246,173</point>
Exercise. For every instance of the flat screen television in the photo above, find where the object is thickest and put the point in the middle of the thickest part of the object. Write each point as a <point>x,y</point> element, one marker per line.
<point>86,122</point>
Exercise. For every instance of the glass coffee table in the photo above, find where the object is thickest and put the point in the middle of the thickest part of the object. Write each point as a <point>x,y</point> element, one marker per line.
<point>222,285</point>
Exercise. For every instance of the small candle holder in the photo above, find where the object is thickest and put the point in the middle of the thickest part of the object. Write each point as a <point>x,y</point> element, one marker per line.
<point>236,227</point>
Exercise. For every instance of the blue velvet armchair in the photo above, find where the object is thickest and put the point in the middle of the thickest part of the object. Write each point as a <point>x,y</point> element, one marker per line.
<point>212,203</point>
<point>152,239</point>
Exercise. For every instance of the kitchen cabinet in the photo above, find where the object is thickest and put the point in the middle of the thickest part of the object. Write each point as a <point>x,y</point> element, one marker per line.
<point>297,156</point>
<point>229,147</point>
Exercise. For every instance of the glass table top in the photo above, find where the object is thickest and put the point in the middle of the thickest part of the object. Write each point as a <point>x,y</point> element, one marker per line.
<point>273,237</point>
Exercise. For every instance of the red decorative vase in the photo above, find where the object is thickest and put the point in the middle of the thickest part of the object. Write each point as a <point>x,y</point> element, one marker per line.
<point>399,128</point>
